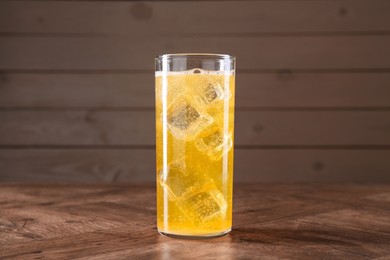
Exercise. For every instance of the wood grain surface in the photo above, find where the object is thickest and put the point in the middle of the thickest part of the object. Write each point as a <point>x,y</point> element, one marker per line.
<point>356,52</point>
<point>138,128</point>
<point>193,17</point>
<point>279,221</point>
<point>137,164</point>
<point>77,86</point>
<point>285,89</point>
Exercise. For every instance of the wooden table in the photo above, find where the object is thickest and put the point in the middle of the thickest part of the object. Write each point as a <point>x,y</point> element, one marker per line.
<point>296,221</point>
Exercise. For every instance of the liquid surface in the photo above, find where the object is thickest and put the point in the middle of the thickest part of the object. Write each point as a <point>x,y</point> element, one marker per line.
<point>194,146</point>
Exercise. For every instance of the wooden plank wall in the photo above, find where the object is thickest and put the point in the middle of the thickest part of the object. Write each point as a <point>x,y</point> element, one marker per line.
<point>77,86</point>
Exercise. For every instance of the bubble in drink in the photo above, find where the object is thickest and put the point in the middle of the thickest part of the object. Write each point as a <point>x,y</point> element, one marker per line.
<point>214,144</point>
<point>196,196</point>
<point>185,121</point>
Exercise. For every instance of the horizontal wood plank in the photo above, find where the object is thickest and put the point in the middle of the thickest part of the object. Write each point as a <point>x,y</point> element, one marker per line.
<point>138,52</point>
<point>77,90</point>
<point>194,17</point>
<point>137,128</point>
<point>138,165</point>
<point>284,89</point>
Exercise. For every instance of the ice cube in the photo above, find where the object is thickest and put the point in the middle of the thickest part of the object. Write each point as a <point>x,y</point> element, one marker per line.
<point>214,144</point>
<point>194,193</point>
<point>204,205</point>
<point>212,92</point>
<point>208,94</point>
<point>178,181</point>
<point>185,121</point>
<point>183,117</point>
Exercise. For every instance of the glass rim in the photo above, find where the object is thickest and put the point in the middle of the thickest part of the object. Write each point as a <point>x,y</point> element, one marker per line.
<point>195,54</point>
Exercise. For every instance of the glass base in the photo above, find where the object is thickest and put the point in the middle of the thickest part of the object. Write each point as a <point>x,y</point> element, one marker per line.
<point>181,236</point>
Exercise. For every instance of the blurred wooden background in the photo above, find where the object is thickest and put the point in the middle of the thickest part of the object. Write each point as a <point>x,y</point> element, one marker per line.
<point>77,86</point>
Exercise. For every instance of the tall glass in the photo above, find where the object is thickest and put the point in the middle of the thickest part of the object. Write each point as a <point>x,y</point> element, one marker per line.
<point>194,144</point>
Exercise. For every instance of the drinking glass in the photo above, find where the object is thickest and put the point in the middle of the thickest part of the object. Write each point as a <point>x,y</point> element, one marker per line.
<point>194,144</point>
